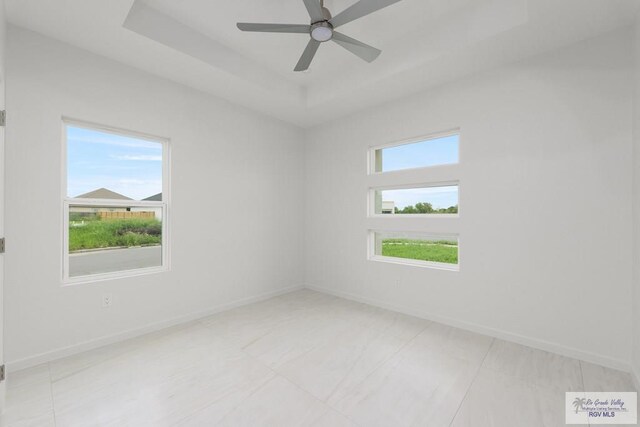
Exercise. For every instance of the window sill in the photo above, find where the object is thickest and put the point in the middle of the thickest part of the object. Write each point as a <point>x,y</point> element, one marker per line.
<point>416,263</point>
<point>84,280</point>
<point>421,216</point>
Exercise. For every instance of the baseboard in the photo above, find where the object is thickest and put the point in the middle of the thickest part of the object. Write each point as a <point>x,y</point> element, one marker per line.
<point>60,353</point>
<point>496,333</point>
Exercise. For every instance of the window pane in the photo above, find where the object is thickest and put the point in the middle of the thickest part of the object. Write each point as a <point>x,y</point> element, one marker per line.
<point>417,247</point>
<point>102,165</point>
<point>431,152</point>
<point>109,239</point>
<point>413,201</point>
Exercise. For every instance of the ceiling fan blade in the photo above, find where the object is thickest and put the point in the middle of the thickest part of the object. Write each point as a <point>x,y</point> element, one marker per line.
<point>364,51</point>
<point>307,55</point>
<point>274,28</point>
<point>358,10</point>
<point>315,10</point>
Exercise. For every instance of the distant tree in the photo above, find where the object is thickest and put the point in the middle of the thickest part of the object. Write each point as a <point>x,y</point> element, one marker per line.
<point>426,208</point>
<point>409,210</point>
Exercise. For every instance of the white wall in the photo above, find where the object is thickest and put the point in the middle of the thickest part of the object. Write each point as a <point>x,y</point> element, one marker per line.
<point>220,154</point>
<point>550,138</point>
<point>3,39</point>
<point>545,178</point>
<point>636,208</point>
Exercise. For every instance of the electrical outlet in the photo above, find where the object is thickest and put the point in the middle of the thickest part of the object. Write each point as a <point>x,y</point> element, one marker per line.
<point>107,300</point>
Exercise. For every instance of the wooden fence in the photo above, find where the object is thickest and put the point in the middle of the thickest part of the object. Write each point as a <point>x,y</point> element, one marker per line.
<point>126,215</point>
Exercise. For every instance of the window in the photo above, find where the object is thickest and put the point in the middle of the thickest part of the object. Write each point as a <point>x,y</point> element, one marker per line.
<point>424,249</point>
<point>432,151</point>
<point>411,202</point>
<point>115,206</point>
<point>419,200</point>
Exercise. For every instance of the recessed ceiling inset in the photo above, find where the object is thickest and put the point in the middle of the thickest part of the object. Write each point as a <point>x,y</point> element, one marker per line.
<point>322,29</point>
<point>426,43</point>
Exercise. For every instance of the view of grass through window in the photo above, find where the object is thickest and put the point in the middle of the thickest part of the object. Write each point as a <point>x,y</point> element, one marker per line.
<point>115,210</point>
<point>417,247</point>
<point>412,201</point>
<point>97,231</point>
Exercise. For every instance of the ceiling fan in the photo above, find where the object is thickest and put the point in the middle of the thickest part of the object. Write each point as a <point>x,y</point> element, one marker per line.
<point>322,29</point>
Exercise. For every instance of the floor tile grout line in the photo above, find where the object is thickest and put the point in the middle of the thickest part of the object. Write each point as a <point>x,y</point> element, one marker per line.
<point>257,389</point>
<point>53,402</point>
<point>262,382</point>
<point>81,370</point>
<point>378,366</point>
<point>299,387</point>
<point>584,388</point>
<point>475,377</point>
<point>278,374</point>
<point>296,357</point>
<point>117,356</point>
<point>297,315</point>
<point>382,363</point>
<point>275,375</point>
<point>316,398</point>
<point>532,382</point>
<point>269,332</point>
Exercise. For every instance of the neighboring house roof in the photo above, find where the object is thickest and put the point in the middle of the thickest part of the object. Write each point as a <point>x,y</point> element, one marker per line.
<point>154,198</point>
<point>103,193</point>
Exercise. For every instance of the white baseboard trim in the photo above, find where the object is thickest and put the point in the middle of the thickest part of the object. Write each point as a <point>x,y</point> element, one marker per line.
<point>60,353</point>
<point>495,333</point>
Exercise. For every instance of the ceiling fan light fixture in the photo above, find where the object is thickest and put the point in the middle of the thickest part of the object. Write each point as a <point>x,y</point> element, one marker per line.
<point>322,31</point>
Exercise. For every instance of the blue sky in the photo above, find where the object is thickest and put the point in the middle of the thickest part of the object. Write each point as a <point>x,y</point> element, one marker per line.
<point>129,166</point>
<point>133,167</point>
<point>427,153</point>
<point>432,152</point>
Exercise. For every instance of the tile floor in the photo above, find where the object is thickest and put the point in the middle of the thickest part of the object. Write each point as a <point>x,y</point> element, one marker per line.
<point>305,359</point>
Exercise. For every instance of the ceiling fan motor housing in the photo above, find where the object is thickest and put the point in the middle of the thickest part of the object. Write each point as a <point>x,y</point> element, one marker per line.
<point>322,31</point>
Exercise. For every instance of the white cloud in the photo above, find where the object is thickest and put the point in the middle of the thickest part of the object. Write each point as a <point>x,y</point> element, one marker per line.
<point>122,142</point>
<point>139,157</point>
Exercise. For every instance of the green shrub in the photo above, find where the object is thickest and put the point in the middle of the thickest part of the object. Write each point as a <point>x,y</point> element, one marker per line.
<point>95,234</point>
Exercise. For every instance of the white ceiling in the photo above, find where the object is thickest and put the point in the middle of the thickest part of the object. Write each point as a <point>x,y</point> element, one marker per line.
<point>424,43</point>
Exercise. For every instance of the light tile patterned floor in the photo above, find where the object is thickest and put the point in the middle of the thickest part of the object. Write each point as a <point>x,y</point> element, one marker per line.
<point>305,359</point>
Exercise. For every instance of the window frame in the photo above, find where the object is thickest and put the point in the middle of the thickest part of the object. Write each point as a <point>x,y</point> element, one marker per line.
<point>372,256</point>
<point>371,201</point>
<point>68,201</point>
<point>416,177</point>
<point>371,157</point>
